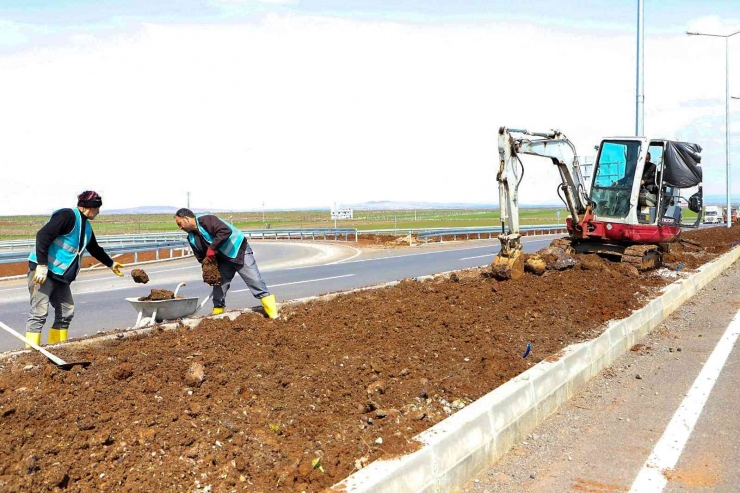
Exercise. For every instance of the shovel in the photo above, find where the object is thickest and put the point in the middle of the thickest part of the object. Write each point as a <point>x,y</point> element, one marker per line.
<point>59,362</point>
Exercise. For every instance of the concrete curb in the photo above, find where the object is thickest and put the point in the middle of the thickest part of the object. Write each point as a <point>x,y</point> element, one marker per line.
<point>469,441</point>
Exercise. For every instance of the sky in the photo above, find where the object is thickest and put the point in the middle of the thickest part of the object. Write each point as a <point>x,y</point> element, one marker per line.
<point>294,104</point>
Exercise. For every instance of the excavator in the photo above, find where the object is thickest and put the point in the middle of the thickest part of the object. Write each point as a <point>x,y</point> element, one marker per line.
<point>632,211</point>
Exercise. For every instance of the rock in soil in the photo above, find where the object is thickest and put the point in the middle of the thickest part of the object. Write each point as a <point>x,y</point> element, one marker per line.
<point>556,258</point>
<point>158,294</point>
<point>139,276</point>
<point>195,374</point>
<point>535,264</point>
<point>211,275</point>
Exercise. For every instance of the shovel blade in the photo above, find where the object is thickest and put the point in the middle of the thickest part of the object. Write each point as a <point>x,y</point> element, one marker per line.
<point>69,366</point>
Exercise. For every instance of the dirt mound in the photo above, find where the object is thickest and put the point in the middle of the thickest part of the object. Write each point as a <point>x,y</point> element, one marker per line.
<point>383,241</point>
<point>158,294</point>
<point>140,276</point>
<point>211,275</point>
<point>297,403</point>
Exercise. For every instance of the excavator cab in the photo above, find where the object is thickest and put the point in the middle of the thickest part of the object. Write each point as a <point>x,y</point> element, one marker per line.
<point>632,210</point>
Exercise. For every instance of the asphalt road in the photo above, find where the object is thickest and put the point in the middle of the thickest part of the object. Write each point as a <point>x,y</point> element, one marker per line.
<point>291,270</point>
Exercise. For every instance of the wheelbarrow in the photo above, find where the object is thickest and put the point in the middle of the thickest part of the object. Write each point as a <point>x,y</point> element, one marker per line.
<point>151,312</point>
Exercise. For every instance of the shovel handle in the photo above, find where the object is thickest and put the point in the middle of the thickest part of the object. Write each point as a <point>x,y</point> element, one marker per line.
<point>55,359</point>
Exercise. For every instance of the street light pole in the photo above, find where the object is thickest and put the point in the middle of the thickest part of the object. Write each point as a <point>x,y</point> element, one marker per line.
<point>727,114</point>
<point>640,90</point>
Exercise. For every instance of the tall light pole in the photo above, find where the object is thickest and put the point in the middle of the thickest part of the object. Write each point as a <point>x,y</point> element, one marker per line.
<point>727,112</point>
<point>640,90</point>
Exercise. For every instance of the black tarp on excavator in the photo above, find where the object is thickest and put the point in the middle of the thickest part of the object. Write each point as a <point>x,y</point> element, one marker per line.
<point>681,164</point>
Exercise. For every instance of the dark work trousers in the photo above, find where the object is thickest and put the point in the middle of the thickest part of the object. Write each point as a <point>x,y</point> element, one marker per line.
<point>54,293</point>
<point>249,272</point>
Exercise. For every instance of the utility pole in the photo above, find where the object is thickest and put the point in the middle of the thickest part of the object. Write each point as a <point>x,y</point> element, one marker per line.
<point>263,211</point>
<point>640,90</point>
<point>728,169</point>
<point>188,201</point>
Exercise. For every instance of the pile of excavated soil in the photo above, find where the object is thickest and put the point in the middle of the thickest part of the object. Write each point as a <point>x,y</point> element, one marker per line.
<point>378,241</point>
<point>140,276</point>
<point>300,402</point>
<point>701,245</point>
<point>158,294</point>
<point>211,275</point>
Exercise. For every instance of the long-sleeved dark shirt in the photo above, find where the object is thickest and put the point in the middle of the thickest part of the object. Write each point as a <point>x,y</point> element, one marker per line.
<point>220,232</point>
<point>62,223</point>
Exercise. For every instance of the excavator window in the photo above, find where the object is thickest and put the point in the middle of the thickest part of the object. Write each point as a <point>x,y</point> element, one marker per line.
<point>615,175</point>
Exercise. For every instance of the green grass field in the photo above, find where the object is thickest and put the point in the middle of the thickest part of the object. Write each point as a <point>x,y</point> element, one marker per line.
<point>19,227</point>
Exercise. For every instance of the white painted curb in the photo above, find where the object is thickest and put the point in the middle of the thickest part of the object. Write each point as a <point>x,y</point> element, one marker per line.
<point>469,441</point>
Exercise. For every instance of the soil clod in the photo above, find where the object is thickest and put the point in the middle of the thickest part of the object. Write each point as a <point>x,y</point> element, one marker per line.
<point>140,276</point>
<point>211,275</point>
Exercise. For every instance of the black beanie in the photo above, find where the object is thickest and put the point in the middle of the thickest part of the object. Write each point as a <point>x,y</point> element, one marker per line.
<point>89,199</point>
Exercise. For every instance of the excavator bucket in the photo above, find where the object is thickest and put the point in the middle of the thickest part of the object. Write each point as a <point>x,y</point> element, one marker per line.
<point>508,267</point>
<point>509,263</point>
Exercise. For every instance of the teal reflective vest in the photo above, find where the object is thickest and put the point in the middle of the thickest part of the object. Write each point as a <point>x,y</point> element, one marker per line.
<point>230,247</point>
<point>65,249</point>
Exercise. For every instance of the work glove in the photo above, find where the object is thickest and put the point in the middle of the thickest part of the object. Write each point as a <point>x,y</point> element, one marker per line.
<point>211,254</point>
<point>116,268</point>
<point>39,275</point>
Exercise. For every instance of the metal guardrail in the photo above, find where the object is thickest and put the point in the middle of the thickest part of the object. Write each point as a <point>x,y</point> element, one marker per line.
<point>22,256</point>
<point>301,234</point>
<point>153,239</point>
<point>18,250</point>
<point>481,233</point>
<point>106,241</point>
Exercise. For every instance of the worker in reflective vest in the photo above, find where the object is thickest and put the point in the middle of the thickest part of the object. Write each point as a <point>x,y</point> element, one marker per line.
<point>212,238</point>
<point>55,262</point>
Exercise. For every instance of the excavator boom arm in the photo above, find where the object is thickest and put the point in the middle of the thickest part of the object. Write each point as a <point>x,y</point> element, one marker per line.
<point>553,145</point>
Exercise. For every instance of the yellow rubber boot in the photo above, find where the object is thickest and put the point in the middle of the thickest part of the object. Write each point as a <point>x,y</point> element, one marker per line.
<point>53,336</point>
<point>62,335</point>
<point>218,310</point>
<point>268,303</point>
<point>34,337</point>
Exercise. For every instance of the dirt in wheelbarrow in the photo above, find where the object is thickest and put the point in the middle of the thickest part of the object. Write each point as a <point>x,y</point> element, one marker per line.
<point>158,295</point>
<point>297,403</point>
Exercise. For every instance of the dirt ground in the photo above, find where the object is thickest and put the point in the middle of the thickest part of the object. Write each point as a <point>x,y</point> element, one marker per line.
<point>298,403</point>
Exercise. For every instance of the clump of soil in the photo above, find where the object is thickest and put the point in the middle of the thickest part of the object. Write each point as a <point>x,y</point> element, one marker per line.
<point>140,276</point>
<point>211,275</point>
<point>158,294</point>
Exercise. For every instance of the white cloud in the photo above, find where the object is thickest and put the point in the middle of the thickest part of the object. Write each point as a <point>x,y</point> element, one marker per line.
<point>300,111</point>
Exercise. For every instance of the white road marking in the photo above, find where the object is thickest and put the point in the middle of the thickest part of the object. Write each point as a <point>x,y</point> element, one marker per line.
<point>358,252</point>
<point>479,256</point>
<point>667,451</point>
<point>298,282</point>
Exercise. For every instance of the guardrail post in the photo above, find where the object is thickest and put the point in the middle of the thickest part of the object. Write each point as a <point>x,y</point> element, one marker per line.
<point>156,255</point>
<point>136,257</point>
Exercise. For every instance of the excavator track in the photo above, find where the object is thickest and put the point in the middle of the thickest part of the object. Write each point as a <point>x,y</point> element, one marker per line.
<point>643,257</point>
